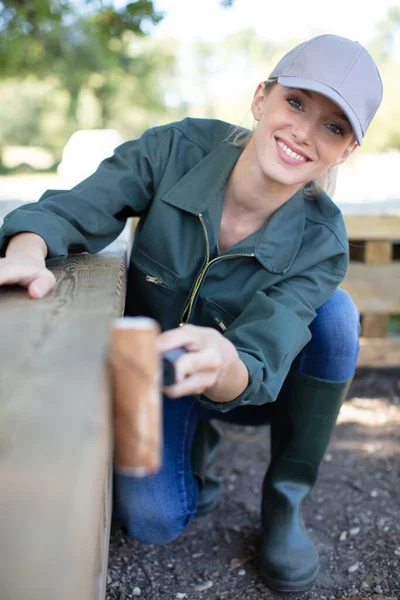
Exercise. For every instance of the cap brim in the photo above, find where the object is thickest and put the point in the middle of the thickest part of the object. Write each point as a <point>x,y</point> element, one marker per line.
<point>315,86</point>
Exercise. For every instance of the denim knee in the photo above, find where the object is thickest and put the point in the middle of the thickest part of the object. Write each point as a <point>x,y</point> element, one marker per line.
<point>145,514</point>
<point>333,349</point>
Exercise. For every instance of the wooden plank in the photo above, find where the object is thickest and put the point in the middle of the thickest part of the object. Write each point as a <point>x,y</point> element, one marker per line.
<point>378,253</point>
<point>373,227</point>
<point>375,326</point>
<point>55,436</point>
<point>374,288</point>
<point>383,352</point>
<point>100,572</point>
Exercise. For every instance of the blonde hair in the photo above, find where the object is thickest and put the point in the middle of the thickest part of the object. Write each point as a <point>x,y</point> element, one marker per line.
<point>326,182</point>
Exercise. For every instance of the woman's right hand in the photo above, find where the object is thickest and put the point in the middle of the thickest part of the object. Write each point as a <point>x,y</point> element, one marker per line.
<point>28,272</point>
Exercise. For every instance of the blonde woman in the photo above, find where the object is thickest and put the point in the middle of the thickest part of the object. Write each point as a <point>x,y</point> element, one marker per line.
<point>238,254</point>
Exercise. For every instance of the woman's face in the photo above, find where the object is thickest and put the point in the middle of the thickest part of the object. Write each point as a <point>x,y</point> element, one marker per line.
<point>299,134</point>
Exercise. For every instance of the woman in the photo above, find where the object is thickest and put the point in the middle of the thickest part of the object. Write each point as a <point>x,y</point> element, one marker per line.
<point>238,254</point>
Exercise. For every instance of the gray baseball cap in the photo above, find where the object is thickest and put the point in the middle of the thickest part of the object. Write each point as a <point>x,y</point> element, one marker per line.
<point>341,70</point>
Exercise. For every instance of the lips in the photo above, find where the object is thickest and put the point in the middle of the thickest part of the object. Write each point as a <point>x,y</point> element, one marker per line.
<point>293,149</point>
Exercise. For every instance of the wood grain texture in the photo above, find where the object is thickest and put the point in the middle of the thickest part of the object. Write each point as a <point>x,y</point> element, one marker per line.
<point>374,288</point>
<point>375,326</point>
<point>55,435</point>
<point>378,253</point>
<point>104,528</point>
<point>373,227</point>
<point>383,352</point>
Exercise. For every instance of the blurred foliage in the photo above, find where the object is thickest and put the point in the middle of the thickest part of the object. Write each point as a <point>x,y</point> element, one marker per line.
<point>384,132</point>
<point>82,64</point>
<point>394,326</point>
<point>384,41</point>
<point>68,36</point>
<point>73,40</point>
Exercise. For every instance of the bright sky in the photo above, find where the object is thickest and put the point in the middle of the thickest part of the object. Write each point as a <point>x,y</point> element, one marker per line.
<point>277,21</point>
<point>207,20</point>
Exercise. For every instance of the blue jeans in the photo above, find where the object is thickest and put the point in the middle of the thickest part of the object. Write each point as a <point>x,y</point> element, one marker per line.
<point>156,509</point>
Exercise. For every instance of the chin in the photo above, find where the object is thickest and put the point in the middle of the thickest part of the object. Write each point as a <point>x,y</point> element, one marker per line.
<point>284,179</point>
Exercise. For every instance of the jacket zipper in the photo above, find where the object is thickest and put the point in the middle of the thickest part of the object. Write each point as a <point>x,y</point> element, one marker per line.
<point>187,311</point>
<point>154,280</point>
<point>221,324</point>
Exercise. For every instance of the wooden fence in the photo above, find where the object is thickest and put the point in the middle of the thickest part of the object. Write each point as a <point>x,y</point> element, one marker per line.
<point>373,281</point>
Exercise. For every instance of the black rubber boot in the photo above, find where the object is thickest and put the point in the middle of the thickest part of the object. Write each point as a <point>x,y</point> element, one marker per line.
<point>205,442</point>
<point>303,419</point>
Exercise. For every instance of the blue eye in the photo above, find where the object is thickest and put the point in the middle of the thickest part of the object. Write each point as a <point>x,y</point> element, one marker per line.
<point>335,129</point>
<point>295,102</point>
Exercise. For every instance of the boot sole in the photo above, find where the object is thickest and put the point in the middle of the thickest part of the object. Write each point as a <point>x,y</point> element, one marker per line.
<point>289,586</point>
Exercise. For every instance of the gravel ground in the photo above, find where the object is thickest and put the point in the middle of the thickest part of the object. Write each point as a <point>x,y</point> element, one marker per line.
<point>352,514</point>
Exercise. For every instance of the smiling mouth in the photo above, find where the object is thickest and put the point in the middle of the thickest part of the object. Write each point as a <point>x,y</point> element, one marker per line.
<point>289,152</point>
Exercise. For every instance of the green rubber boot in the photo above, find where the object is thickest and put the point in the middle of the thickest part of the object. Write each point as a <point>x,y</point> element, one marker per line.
<point>205,442</point>
<point>303,419</point>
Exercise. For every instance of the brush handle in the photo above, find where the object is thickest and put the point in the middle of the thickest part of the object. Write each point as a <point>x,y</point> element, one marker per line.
<point>168,364</point>
<point>137,408</point>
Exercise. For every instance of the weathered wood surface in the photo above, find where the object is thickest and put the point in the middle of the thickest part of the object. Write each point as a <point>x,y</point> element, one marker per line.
<point>373,227</point>
<point>379,352</point>
<point>103,529</point>
<point>55,438</point>
<point>374,288</point>
<point>377,253</point>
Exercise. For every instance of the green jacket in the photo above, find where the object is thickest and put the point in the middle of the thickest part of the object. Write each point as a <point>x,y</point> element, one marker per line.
<point>261,294</point>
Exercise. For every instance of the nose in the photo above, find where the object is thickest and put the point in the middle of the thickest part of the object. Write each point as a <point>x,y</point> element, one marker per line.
<point>302,131</point>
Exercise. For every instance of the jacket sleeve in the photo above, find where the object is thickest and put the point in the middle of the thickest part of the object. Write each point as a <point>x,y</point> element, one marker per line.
<point>92,214</point>
<point>273,329</point>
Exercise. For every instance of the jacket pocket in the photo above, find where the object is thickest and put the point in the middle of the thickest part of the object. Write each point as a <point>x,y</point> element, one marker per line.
<point>219,315</point>
<point>154,273</point>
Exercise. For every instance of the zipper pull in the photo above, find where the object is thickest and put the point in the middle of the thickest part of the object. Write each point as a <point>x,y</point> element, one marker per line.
<point>153,280</point>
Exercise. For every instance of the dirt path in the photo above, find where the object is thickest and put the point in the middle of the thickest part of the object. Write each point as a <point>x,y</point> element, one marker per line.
<point>353,515</point>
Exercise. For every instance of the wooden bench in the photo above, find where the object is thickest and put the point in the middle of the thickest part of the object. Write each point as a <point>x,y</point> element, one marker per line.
<point>55,438</point>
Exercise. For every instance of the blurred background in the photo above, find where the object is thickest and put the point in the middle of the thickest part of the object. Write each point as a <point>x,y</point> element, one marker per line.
<point>77,77</point>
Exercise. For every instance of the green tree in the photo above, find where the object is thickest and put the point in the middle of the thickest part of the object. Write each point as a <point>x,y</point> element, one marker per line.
<point>383,42</point>
<point>72,40</point>
<point>384,133</point>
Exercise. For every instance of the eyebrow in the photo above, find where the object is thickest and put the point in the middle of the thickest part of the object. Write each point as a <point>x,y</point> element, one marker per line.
<point>340,115</point>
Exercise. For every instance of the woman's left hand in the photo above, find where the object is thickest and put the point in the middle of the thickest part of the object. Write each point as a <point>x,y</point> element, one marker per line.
<point>206,366</point>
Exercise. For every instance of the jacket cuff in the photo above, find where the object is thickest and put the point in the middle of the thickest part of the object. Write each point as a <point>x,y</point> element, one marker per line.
<point>39,223</point>
<point>255,369</point>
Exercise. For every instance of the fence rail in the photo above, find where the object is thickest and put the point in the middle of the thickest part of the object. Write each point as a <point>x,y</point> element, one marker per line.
<point>373,281</point>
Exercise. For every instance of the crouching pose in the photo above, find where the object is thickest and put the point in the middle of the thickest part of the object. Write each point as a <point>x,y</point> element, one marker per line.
<point>238,254</point>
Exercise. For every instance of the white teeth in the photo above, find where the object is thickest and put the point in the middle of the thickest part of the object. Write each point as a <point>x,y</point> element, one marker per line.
<point>290,153</point>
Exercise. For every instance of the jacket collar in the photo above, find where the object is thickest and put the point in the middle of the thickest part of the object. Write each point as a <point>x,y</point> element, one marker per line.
<point>205,182</point>
<point>276,244</point>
